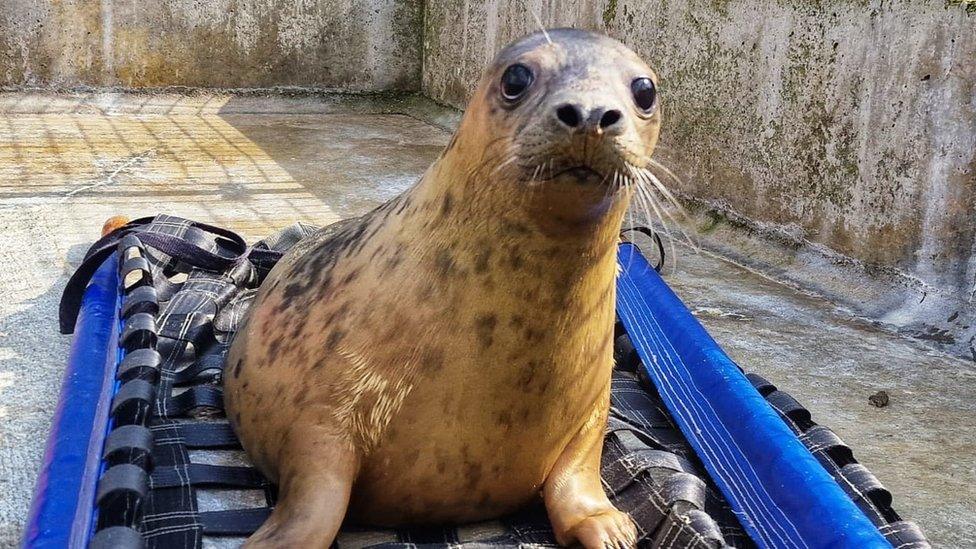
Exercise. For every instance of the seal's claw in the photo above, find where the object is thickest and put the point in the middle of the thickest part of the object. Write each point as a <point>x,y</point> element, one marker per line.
<point>609,528</point>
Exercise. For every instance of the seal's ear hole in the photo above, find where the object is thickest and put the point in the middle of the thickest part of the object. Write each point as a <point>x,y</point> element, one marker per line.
<point>516,81</point>
<point>645,93</point>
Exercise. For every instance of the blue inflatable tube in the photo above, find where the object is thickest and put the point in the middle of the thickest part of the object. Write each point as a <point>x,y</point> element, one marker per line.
<point>62,512</point>
<point>780,492</point>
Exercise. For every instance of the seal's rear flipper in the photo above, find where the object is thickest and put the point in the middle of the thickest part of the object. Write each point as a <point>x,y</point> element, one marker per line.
<point>313,495</point>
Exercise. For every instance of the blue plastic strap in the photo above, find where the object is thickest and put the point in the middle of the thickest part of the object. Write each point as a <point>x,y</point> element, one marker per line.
<point>779,491</point>
<point>63,506</point>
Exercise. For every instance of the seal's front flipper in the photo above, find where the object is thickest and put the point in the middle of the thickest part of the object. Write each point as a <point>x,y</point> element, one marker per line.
<point>608,528</point>
<point>578,508</point>
<point>312,494</point>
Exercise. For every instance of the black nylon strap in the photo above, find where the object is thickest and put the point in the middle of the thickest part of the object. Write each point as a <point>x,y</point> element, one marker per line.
<point>684,529</point>
<point>140,332</point>
<point>200,474</point>
<point>140,364</point>
<point>685,487</point>
<point>130,444</point>
<point>788,406</point>
<point>96,255</point>
<point>191,254</point>
<point>264,258</point>
<point>120,490</point>
<point>177,247</point>
<point>761,384</point>
<point>197,435</point>
<point>866,484</point>
<point>117,537</point>
<point>211,363</point>
<point>132,402</point>
<point>132,265</point>
<point>118,234</point>
<point>658,436</point>
<point>821,439</point>
<point>141,300</point>
<point>237,522</point>
<point>187,327</point>
<point>905,535</point>
<point>195,397</point>
<point>646,512</point>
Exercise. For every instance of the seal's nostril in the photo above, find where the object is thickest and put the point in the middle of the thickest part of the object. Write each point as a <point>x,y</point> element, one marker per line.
<point>610,118</point>
<point>569,115</point>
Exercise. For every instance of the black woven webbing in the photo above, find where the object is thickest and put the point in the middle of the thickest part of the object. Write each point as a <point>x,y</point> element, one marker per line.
<point>181,319</point>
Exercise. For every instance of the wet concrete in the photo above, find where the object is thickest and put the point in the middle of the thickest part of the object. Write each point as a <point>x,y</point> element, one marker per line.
<point>254,165</point>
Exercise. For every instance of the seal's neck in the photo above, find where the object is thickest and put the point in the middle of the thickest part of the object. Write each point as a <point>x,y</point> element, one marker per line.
<point>562,233</point>
<point>533,269</point>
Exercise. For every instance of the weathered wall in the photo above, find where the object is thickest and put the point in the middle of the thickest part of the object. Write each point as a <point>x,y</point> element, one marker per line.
<point>846,128</point>
<point>348,44</point>
<point>845,125</point>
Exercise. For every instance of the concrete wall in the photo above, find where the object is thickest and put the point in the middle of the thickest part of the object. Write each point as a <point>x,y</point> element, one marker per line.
<point>349,44</point>
<point>848,126</point>
<point>844,129</point>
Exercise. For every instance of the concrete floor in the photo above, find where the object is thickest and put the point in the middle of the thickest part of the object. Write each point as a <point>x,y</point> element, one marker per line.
<point>257,164</point>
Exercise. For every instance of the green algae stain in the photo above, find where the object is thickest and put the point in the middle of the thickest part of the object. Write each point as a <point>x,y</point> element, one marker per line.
<point>720,7</point>
<point>609,14</point>
<point>969,5</point>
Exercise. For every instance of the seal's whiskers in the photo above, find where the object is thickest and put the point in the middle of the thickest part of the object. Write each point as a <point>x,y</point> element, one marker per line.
<point>619,179</point>
<point>664,191</point>
<point>652,184</point>
<point>667,171</point>
<point>504,164</point>
<point>542,28</point>
<point>648,198</point>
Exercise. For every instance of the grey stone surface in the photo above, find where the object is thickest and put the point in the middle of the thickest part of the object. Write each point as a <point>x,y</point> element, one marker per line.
<point>69,162</point>
<point>843,133</point>
<point>342,44</point>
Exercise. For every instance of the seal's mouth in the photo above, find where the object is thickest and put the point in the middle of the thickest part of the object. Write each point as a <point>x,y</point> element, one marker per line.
<point>581,174</point>
<point>578,171</point>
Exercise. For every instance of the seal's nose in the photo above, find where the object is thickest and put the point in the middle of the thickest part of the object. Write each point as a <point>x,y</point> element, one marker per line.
<point>598,120</point>
<point>569,114</point>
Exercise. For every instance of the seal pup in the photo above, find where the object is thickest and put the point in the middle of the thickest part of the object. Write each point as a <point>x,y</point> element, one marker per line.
<point>447,356</point>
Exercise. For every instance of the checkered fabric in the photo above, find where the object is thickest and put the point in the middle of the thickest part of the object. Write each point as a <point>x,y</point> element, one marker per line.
<point>186,289</point>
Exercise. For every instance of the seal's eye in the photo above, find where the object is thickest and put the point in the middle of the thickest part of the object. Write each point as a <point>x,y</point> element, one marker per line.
<point>516,81</point>
<point>645,93</point>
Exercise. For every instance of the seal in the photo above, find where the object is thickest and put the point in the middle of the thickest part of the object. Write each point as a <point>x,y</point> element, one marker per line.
<point>447,357</point>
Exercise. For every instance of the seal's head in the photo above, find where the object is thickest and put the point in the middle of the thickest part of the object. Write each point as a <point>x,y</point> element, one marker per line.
<point>562,123</point>
<point>571,112</point>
